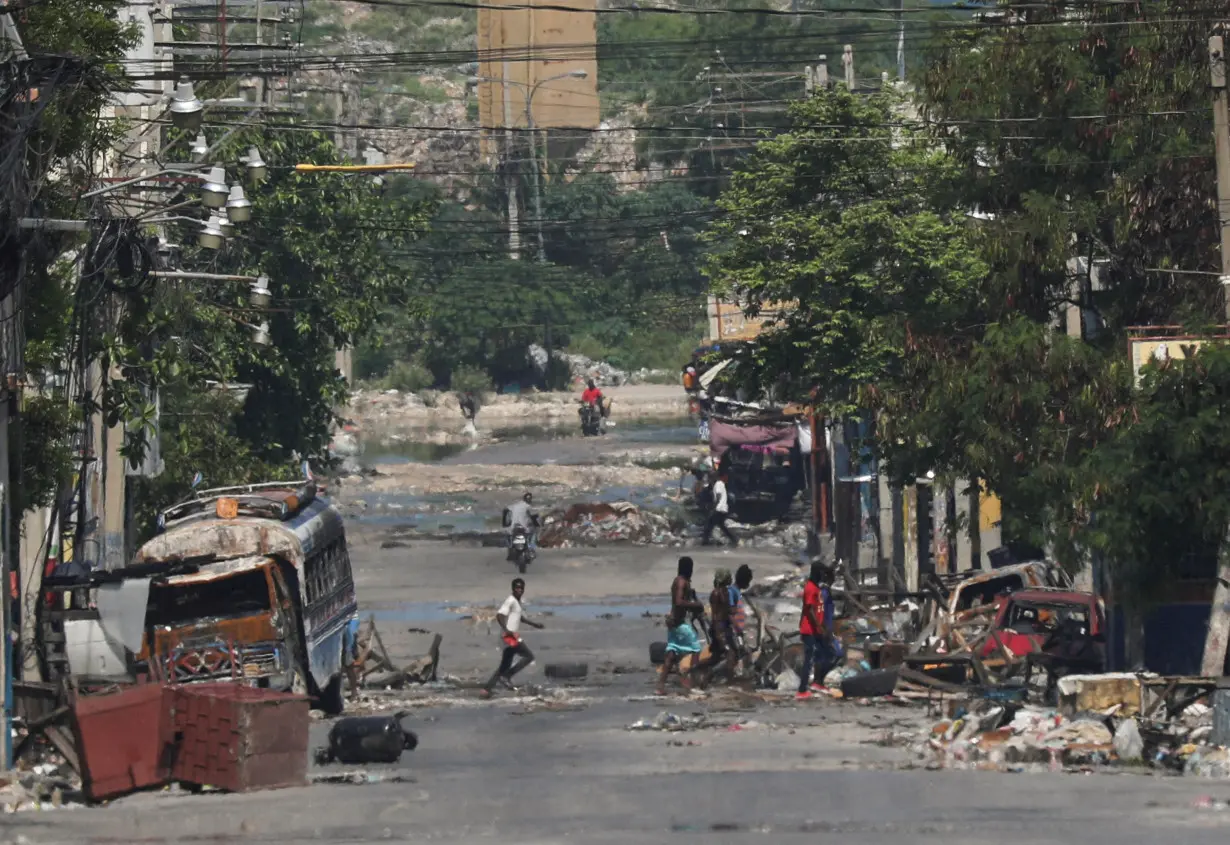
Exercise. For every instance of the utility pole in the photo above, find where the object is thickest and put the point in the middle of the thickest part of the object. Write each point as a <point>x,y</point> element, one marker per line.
<point>1219,615</point>
<point>847,59</point>
<point>901,43</point>
<point>510,174</point>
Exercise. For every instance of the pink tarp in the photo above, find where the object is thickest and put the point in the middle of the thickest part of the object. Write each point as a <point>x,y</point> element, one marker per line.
<point>724,435</point>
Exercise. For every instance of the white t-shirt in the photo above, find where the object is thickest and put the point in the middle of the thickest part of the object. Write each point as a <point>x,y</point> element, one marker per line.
<point>721,503</point>
<point>511,610</point>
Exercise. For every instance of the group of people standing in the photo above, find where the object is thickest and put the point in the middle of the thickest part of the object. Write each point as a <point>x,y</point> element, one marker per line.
<point>727,621</point>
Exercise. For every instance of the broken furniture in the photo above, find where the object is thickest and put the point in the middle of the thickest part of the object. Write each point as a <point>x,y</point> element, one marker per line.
<point>373,668</point>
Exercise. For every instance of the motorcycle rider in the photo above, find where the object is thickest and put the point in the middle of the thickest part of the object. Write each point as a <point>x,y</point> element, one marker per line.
<point>593,398</point>
<point>591,395</point>
<point>522,514</point>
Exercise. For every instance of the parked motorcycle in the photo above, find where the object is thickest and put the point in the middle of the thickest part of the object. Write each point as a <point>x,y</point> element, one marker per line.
<point>519,550</point>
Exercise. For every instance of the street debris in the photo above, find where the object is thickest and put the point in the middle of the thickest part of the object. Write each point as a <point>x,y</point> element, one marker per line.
<point>359,778</point>
<point>589,524</point>
<point>367,739</point>
<point>372,668</point>
<point>669,722</point>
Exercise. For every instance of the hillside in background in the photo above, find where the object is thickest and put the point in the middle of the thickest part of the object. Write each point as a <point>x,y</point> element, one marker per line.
<point>684,97</point>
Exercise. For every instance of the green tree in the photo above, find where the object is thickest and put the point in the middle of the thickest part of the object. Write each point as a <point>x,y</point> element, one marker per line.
<point>1085,134</point>
<point>1157,485</point>
<point>834,218</point>
<point>322,240</point>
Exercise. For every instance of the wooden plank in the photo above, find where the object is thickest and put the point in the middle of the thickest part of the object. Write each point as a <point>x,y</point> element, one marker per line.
<point>923,679</point>
<point>63,741</point>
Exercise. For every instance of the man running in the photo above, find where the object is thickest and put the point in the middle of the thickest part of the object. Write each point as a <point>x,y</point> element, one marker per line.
<point>681,638</point>
<point>510,616</point>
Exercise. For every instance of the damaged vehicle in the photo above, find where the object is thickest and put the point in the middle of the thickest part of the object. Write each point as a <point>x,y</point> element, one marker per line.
<point>249,584</point>
<point>1027,621</point>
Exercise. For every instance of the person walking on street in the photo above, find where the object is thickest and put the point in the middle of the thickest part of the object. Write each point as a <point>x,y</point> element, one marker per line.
<point>738,606</point>
<point>811,626</point>
<point>720,512</point>
<point>681,638</point>
<point>510,616</point>
<point>830,651</point>
<point>722,641</point>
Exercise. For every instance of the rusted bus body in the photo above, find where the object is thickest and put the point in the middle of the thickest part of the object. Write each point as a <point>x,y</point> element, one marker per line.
<point>241,640</point>
<point>270,602</point>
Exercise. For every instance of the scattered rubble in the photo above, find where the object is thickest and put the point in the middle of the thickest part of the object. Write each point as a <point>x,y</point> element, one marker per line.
<point>667,721</point>
<point>589,524</point>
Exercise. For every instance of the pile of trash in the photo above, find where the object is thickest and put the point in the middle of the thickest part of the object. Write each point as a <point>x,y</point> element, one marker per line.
<point>581,367</point>
<point>998,736</point>
<point>987,734</point>
<point>590,524</point>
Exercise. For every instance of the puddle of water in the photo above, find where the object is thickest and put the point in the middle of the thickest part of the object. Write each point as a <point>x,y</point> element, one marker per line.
<point>681,432</point>
<point>408,452</point>
<point>430,513</point>
<point>427,612</point>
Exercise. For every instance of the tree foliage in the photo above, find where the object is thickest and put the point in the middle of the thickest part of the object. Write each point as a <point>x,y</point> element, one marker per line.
<point>834,220</point>
<point>1078,139</point>
<point>621,270</point>
<point>322,241</point>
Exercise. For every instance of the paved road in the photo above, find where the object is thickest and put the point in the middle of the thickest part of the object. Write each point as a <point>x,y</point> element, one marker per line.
<point>513,772</point>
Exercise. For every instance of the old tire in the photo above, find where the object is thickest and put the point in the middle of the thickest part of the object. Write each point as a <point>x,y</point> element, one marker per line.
<point>332,700</point>
<point>657,653</point>
<point>566,671</point>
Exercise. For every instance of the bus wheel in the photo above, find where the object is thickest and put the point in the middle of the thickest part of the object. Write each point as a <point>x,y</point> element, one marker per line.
<point>332,700</point>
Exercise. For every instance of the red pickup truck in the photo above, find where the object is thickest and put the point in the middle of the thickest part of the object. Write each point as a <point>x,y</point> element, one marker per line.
<point>1027,618</point>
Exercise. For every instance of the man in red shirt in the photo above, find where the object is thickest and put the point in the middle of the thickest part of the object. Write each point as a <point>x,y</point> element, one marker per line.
<point>591,395</point>
<point>811,625</point>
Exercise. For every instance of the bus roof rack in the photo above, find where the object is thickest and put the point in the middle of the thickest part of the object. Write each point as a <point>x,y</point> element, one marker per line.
<point>252,500</point>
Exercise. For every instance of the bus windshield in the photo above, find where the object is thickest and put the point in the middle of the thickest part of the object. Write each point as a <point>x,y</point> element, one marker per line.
<point>241,594</point>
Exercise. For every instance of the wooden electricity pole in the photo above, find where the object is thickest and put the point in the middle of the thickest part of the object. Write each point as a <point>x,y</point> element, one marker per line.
<point>1219,615</point>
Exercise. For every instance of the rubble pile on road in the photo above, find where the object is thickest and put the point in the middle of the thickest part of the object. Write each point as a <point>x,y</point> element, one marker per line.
<point>1013,661</point>
<point>590,524</point>
<point>984,733</point>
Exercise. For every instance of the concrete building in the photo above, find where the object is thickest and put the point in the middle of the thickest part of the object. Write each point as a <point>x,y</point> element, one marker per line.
<point>521,47</point>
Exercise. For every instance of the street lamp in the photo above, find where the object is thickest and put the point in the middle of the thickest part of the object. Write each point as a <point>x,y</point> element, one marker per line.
<point>186,109</point>
<point>214,192</point>
<point>260,295</point>
<point>256,165</point>
<point>211,235</point>
<point>199,148</point>
<point>238,206</point>
<point>578,73</point>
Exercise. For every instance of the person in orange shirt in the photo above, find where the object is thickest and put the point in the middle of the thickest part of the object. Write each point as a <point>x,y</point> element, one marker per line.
<point>811,626</point>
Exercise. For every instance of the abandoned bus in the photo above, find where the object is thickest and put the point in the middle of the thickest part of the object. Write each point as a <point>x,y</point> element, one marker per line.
<point>252,584</point>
